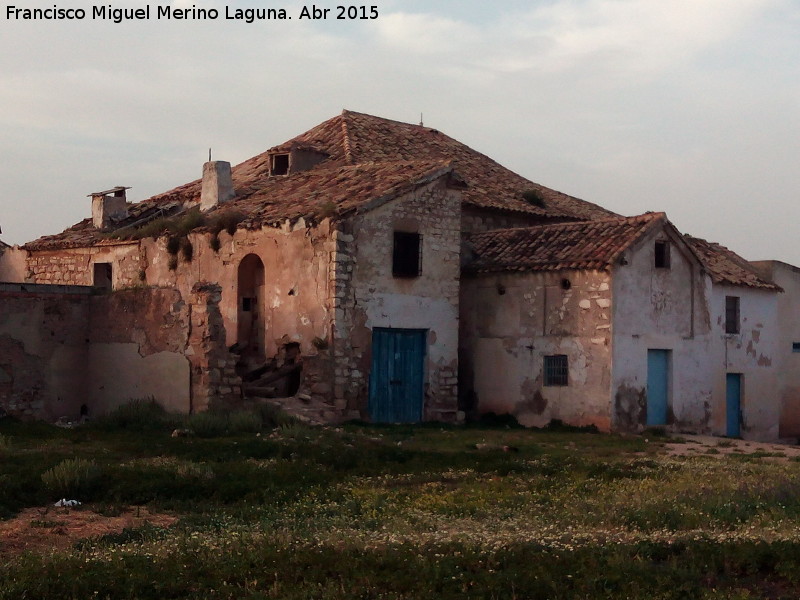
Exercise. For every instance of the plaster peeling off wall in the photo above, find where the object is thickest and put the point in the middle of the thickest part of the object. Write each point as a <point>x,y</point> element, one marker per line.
<point>511,322</point>
<point>12,264</point>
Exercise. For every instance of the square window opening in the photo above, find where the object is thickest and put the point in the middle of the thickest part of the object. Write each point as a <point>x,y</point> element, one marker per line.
<point>732,315</point>
<point>247,304</point>
<point>796,347</point>
<point>103,276</point>
<point>407,254</point>
<point>280,164</point>
<point>662,255</point>
<point>556,370</point>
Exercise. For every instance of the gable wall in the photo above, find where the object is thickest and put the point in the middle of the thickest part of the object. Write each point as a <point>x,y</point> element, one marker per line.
<point>511,321</point>
<point>661,309</point>
<point>368,296</point>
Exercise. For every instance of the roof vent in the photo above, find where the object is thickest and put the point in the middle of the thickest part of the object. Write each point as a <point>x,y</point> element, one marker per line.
<point>108,207</point>
<point>217,184</point>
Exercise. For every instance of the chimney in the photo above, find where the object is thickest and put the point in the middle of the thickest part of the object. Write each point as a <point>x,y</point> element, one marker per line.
<point>217,184</point>
<point>109,207</point>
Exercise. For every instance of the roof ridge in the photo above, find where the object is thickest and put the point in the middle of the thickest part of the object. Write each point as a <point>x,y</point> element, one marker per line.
<point>348,151</point>
<point>653,216</point>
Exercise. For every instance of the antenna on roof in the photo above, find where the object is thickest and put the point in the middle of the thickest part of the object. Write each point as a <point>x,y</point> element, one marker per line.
<point>209,155</point>
<point>420,120</point>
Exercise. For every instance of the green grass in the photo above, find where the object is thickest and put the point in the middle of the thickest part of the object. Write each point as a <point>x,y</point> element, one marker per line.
<point>283,510</point>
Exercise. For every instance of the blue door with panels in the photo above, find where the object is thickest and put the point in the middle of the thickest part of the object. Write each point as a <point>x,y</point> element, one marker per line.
<point>733,404</point>
<point>657,386</point>
<point>397,379</point>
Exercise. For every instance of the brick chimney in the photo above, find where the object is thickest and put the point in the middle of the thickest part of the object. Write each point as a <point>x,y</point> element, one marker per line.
<point>109,207</point>
<point>217,184</point>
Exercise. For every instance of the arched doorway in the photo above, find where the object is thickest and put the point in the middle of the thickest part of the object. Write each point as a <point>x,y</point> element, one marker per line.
<point>250,314</point>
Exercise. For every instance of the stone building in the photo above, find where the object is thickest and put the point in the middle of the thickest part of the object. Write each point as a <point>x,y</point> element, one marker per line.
<point>404,277</point>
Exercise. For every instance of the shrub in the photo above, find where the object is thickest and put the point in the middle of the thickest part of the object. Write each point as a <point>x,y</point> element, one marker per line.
<point>173,245</point>
<point>187,250</point>
<point>71,478</point>
<point>208,424</point>
<point>272,416</point>
<point>5,442</point>
<point>244,422</point>
<point>534,197</point>
<point>214,242</point>
<point>139,414</point>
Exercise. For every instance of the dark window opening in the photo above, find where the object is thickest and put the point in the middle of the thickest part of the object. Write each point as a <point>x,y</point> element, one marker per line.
<point>566,284</point>
<point>280,164</point>
<point>796,347</point>
<point>556,370</point>
<point>732,314</point>
<point>102,276</point>
<point>662,255</point>
<point>247,304</point>
<point>406,258</point>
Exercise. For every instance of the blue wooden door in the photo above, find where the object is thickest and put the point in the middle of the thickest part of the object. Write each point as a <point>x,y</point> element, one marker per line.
<point>657,386</point>
<point>733,404</point>
<point>396,382</point>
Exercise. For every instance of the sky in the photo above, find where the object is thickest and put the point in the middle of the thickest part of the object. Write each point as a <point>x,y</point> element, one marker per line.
<point>691,107</point>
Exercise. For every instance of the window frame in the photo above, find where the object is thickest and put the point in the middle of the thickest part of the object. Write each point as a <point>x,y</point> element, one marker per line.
<point>555,370</point>
<point>406,254</point>
<point>733,315</point>
<point>661,257</point>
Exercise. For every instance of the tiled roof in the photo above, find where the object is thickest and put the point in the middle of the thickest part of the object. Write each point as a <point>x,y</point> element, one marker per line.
<point>367,157</point>
<point>356,137</point>
<point>583,245</point>
<point>324,191</point>
<point>725,266</point>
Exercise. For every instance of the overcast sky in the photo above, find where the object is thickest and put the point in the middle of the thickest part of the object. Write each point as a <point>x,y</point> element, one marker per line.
<point>686,106</point>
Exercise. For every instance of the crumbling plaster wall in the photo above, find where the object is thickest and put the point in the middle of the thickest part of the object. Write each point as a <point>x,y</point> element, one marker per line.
<point>297,279</point>
<point>753,352</point>
<point>43,351</point>
<point>368,296</point>
<point>788,359</point>
<point>12,264</point>
<point>511,321</point>
<point>661,309</point>
<point>61,348</point>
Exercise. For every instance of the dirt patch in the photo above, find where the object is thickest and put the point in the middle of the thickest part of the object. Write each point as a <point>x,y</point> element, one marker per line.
<point>50,528</point>
<point>695,445</point>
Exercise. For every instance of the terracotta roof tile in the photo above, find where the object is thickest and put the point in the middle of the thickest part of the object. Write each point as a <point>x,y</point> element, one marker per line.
<point>361,150</point>
<point>725,266</point>
<point>583,245</point>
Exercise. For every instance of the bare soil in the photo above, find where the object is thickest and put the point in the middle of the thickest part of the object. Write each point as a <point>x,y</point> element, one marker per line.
<point>695,445</point>
<point>43,529</point>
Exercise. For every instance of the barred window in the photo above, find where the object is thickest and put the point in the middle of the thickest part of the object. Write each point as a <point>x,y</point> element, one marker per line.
<point>556,370</point>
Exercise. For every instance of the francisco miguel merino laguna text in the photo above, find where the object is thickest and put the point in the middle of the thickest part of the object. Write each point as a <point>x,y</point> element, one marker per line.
<point>117,15</point>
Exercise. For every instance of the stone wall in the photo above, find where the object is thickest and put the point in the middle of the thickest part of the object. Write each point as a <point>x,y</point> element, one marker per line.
<point>366,295</point>
<point>75,266</point>
<point>476,220</point>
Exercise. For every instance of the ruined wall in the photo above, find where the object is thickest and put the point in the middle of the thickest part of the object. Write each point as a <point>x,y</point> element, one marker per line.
<point>296,296</point>
<point>61,348</point>
<point>787,351</point>
<point>661,309</point>
<point>12,264</point>
<point>43,350</point>
<point>368,296</point>
<point>511,321</point>
<point>75,266</point>
<point>754,353</point>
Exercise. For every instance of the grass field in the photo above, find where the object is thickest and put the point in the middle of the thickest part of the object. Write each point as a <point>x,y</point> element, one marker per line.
<point>266,508</point>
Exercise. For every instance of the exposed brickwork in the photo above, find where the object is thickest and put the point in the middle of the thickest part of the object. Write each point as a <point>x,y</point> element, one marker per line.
<point>75,267</point>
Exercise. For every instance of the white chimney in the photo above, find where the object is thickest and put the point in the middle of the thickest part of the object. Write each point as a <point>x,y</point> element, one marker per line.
<point>217,184</point>
<point>109,207</point>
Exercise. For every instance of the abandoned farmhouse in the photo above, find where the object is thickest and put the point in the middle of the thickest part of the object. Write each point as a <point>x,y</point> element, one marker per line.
<point>385,271</point>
